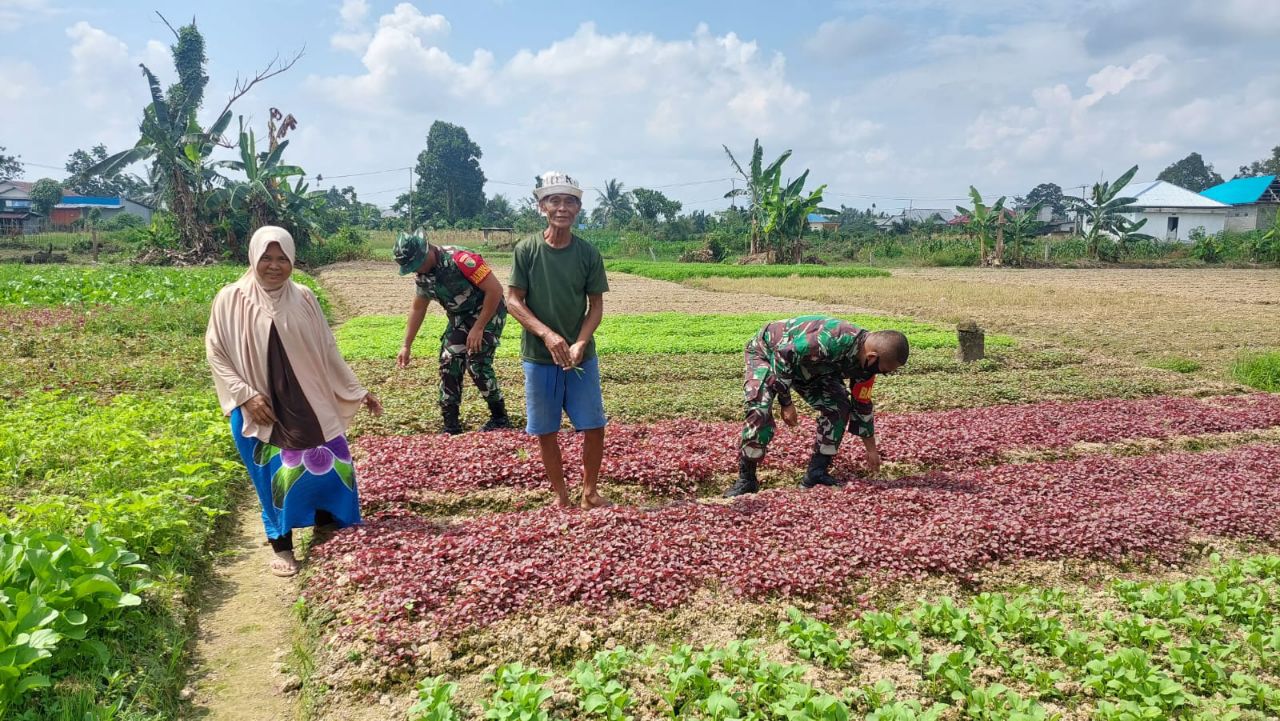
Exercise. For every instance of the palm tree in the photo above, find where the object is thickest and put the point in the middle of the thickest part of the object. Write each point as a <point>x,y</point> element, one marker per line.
<point>759,180</point>
<point>1104,211</point>
<point>614,205</point>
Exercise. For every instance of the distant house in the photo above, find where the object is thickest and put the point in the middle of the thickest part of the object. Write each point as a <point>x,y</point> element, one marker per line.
<point>822,223</point>
<point>917,215</point>
<point>16,213</point>
<point>74,208</point>
<point>1254,201</point>
<point>1173,212</point>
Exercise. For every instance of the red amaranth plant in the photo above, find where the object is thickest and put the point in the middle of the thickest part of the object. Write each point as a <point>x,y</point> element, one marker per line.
<point>672,457</point>
<point>401,578</point>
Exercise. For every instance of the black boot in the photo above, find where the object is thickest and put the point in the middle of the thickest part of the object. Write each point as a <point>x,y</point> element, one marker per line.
<point>452,425</point>
<point>497,416</point>
<point>817,474</point>
<point>747,482</point>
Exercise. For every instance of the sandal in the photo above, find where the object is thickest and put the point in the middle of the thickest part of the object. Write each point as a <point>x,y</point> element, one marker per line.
<point>284,565</point>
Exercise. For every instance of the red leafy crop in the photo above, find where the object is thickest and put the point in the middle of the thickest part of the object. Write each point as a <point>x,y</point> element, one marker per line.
<point>400,578</point>
<point>670,458</point>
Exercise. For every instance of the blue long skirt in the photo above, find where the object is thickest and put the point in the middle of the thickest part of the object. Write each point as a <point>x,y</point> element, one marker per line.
<point>293,484</point>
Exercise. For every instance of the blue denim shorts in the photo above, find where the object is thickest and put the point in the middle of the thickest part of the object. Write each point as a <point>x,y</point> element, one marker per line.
<point>549,391</point>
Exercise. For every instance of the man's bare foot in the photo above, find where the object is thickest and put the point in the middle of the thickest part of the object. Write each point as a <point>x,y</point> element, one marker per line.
<point>595,500</point>
<point>564,502</point>
<point>284,564</point>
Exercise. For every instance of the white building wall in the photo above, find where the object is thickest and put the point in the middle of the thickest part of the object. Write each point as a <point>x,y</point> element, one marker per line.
<point>1213,221</point>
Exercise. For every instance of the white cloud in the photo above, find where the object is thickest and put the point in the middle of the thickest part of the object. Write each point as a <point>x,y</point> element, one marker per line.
<point>841,38</point>
<point>15,14</point>
<point>353,12</point>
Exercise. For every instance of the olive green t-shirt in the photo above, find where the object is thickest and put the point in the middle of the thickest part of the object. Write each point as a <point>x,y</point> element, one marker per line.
<point>557,282</point>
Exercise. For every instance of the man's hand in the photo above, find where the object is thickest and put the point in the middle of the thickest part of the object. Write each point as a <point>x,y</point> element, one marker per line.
<point>259,410</point>
<point>789,415</point>
<point>577,352</point>
<point>558,348</point>
<point>873,461</point>
<point>402,358</point>
<point>475,338</point>
<point>373,404</point>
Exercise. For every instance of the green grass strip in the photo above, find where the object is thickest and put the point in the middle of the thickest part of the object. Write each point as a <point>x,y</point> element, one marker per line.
<point>120,285</point>
<point>1259,370</point>
<point>380,336</point>
<point>677,272</point>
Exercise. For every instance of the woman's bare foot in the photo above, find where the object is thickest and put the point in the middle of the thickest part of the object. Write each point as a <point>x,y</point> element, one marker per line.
<point>594,500</point>
<point>284,564</point>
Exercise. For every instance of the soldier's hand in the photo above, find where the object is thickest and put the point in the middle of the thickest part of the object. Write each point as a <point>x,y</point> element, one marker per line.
<point>559,349</point>
<point>873,461</point>
<point>475,338</point>
<point>789,415</point>
<point>402,358</point>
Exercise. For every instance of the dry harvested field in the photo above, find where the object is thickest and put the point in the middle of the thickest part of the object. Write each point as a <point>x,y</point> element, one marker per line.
<point>1208,316</point>
<point>373,288</point>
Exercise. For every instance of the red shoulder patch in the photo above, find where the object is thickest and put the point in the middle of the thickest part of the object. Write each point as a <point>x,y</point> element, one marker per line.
<point>861,392</point>
<point>472,265</point>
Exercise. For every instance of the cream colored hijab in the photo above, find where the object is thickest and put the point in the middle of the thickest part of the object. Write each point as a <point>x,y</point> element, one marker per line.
<point>240,328</point>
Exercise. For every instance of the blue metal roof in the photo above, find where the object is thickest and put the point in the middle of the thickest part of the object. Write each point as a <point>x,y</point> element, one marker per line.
<point>815,218</point>
<point>1240,191</point>
<point>89,200</point>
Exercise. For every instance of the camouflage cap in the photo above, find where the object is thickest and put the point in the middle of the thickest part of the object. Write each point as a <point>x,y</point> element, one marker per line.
<point>410,250</point>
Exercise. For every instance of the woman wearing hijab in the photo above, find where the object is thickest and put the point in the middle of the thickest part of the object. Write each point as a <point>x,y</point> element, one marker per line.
<point>289,394</point>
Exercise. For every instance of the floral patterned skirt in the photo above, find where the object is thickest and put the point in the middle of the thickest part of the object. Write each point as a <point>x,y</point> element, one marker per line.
<point>293,484</point>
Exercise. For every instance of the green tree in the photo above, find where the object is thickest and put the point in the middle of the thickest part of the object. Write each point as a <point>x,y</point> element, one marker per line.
<point>189,61</point>
<point>45,194</point>
<point>786,211</point>
<point>1191,173</point>
<point>1020,227</point>
<point>1266,166</point>
<point>10,166</point>
<point>652,203</point>
<point>1104,214</point>
<point>983,222</point>
<point>1046,195</point>
<point>117,184</point>
<point>450,182</point>
<point>498,212</point>
<point>613,208</point>
<point>759,179</point>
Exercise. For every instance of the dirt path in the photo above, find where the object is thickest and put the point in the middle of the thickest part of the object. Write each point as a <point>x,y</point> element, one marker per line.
<point>245,633</point>
<point>373,288</point>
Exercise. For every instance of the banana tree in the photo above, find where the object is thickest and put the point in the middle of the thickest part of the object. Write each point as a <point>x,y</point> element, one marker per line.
<point>759,180</point>
<point>1021,226</point>
<point>1104,213</point>
<point>983,222</point>
<point>787,210</point>
<point>177,147</point>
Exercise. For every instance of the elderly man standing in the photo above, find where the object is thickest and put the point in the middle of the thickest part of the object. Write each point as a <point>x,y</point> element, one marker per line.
<point>556,292</point>
<point>814,354</point>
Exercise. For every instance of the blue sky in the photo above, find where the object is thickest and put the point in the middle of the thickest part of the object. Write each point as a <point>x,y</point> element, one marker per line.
<point>896,103</point>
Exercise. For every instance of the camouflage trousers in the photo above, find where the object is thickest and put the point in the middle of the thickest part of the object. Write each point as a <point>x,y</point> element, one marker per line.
<point>454,359</point>
<point>826,393</point>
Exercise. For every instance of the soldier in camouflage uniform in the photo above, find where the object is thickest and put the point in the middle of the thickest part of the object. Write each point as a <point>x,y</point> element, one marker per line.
<point>813,355</point>
<point>471,296</point>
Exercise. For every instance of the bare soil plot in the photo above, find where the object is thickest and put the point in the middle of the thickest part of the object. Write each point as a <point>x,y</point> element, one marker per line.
<point>1208,316</point>
<point>373,288</point>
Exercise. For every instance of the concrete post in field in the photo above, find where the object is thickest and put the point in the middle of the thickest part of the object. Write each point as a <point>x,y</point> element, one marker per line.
<point>972,341</point>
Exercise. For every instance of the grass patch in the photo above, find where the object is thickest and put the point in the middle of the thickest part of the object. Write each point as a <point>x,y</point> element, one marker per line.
<point>1176,364</point>
<point>380,336</point>
<point>1259,370</point>
<point>677,272</point>
<point>119,285</point>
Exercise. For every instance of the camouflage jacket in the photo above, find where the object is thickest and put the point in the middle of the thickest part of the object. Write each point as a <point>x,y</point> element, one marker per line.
<point>808,346</point>
<point>454,281</point>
